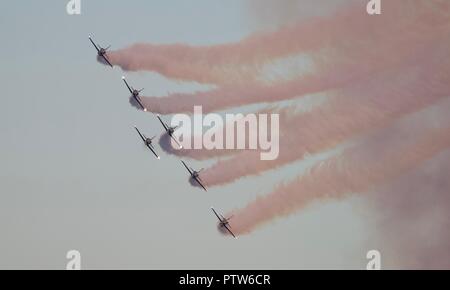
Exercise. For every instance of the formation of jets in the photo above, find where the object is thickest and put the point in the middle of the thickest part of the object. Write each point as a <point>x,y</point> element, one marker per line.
<point>148,142</point>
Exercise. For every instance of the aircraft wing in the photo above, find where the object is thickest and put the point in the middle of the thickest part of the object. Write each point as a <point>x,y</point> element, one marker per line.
<point>126,83</point>
<point>143,138</point>
<point>164,124</point>
<point>153,151</point>
<point>176,142</point>
<point>106,59</point>
<point>216,214</point>
<point>190,172</point>
<point>199,182</point>
<point>230,231</point>
<point>140,104</point>
<point>95,45</point>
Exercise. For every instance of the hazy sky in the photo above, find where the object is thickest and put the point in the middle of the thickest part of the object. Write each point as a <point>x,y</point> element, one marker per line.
<point>74,175</point>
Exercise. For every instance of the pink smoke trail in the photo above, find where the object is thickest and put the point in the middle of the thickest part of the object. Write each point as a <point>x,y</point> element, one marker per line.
<point>411,217</point>
<point>198,154</point>
<point>240,62</point>
<point>347,113</point>
<point>380,159</point>
<point>360,109</point>
<point>344,62</point>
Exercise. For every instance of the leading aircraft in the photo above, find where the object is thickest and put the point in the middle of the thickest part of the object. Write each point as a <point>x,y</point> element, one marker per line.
<point>223,222</point>
<point>170,131</point>
<point>148,142</point>
<point>101,52</point>
<point>135,94</point>
<point>195,175</point>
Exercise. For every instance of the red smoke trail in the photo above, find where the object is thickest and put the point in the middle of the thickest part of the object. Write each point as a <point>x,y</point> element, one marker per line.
<point>198,154</point>
<point>231,63</point>
<point>363,48</point>
<point>354,54</point>
<point>354,111</point>
<point>411,217</point>
<point>380,159</point>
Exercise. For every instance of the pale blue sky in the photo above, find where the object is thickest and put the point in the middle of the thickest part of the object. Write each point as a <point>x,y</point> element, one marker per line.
<point>73,174</point>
